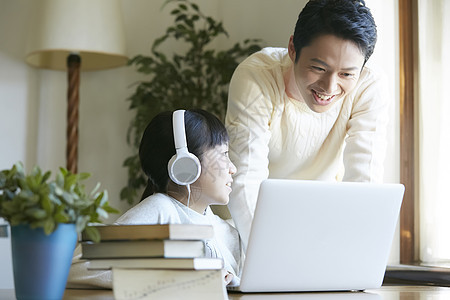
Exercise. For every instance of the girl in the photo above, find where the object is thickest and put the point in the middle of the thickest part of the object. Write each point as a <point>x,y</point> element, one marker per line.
<point>164,201</point>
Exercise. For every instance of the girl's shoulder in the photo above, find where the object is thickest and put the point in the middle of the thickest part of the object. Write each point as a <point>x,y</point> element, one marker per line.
<point>155,209</point>
<point>157,202</point>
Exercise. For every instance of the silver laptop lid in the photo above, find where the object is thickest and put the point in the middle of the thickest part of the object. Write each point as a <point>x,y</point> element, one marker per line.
<point>320,236</point>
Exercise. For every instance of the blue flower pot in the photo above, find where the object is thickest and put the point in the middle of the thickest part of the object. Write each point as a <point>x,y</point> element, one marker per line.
<point>41,262</point>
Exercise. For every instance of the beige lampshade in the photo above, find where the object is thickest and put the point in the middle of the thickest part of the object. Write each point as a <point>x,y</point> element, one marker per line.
<point>91,28</point>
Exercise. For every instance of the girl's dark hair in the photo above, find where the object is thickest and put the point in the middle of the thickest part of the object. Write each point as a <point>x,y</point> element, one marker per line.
<point>348,19</point>
<point>203,132</point>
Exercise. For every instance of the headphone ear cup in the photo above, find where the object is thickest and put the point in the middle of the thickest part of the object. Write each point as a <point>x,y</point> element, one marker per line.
<point>184,169</point>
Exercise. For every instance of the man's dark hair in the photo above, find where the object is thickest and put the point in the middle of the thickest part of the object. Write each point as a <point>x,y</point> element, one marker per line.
<point>347,19</point>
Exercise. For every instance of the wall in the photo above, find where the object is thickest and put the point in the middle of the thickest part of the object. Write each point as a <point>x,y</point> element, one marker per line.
<point>33,102</point>
<point>18,105</point>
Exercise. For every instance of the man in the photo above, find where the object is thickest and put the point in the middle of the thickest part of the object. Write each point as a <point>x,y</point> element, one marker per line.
<point>313,111</point>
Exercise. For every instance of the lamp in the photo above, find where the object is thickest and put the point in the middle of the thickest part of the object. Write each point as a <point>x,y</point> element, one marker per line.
<point>77,35</point>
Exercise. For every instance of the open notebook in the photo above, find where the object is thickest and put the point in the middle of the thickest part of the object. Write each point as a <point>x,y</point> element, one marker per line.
<point>320,236</point>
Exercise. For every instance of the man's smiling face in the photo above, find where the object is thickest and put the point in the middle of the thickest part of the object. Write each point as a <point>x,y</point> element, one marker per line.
<point>326,70</point>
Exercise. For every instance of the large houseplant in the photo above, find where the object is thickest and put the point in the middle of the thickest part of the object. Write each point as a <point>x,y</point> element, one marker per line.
<point>195,75</point>
<point>45,216</point>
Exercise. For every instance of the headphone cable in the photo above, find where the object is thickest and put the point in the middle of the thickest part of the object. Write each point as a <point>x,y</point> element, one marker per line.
<point>188,186</point>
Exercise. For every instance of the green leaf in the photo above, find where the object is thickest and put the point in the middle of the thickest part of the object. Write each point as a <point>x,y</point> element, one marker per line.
<point>110,210</point>
<point>82,221</point>
<point>104,198</point>
<point>35,213</point>
<point>19,169</point>
<point>70,181</point>
<point>181,27</point>
<point>101,212</point>
<point>63,171</point>
<point>49,226</point>
<point>95,189</point>
<point>159,41</point>
<point>68,197</point>
<point>181,18</point>
<point>60,179</point>
<point>46,177</point>
<point>83,176</point>
<point>92,233</point>
<point>46,203</point>
<point>195,6</point>
<point>61,217</point>
<point>190,23</point>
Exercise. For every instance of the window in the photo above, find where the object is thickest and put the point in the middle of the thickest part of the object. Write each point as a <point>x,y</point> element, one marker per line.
<point>434,129</point>
<point>425,130</point>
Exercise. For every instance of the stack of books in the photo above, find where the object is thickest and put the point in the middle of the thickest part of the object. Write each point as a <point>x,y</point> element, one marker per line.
<point>157,261</point>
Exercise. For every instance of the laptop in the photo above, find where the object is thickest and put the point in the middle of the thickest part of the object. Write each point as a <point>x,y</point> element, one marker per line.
<point>320,236</point>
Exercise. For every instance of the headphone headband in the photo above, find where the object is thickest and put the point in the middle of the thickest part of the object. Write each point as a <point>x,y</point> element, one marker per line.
<point>184,167</point>
<point>179,131</point>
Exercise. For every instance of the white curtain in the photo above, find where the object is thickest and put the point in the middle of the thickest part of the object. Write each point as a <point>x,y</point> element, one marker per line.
<point>434,129</point>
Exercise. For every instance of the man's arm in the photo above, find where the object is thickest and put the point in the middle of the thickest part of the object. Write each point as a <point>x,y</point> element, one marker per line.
<point>248,116</point>
<point>365,148</point>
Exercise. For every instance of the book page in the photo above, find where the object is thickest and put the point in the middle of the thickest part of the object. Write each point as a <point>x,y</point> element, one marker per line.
<point>168,284</point>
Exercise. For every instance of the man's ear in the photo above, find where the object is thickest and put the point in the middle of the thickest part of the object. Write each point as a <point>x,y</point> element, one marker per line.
<point>291,49</point>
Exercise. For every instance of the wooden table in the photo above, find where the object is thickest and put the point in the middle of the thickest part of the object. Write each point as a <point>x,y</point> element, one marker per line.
<point>384,293</point>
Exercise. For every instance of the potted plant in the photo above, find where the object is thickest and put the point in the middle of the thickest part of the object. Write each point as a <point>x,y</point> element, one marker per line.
<point>194,76</point>
<point>45,218</point>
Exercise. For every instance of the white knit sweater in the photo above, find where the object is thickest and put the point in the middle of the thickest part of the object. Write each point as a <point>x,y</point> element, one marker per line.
<point>274,136</point>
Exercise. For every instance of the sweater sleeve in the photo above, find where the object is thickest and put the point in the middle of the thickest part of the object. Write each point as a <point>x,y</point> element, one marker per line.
<point>366,133</point>
<point>248,122</point>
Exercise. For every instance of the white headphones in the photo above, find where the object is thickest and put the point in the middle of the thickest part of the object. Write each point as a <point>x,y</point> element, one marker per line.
<point>184,167</point>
